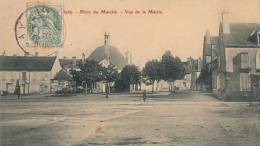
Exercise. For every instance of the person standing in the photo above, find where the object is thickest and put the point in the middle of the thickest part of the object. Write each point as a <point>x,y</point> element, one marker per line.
<point>17,90</point>
<point>107,90</point>
<point>144,95</point>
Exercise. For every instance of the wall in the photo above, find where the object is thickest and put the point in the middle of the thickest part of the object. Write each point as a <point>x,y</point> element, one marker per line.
<point>38,82</point>
<point>232,52</point>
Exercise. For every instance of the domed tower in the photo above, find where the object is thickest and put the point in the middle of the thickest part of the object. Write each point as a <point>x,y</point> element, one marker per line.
<point>109,53</point>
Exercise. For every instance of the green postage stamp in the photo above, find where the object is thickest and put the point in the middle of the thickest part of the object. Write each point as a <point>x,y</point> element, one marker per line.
<point>44,26</point>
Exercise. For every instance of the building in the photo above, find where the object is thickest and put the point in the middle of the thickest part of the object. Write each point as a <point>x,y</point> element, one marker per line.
<point>235,69</point>
<point>34,73</point>
<point>63,82</point>
<point>209,56</point>
<point>107,55</point>
<point>68,64</point>
<point>192,73</point>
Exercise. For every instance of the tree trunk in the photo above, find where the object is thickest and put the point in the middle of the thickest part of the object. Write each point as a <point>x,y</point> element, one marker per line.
<point>173,87</point>
<point>169,86</point>
<point>152,87</point>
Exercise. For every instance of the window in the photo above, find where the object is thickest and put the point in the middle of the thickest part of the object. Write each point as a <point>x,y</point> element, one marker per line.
<point>208,59</point>
<point>245,83</point>
<point>257,61</point>
<point>214,52</point>
<point>218,82</point>
<point>244,60</point>
<point>258,38</point>
<point>23,76</point>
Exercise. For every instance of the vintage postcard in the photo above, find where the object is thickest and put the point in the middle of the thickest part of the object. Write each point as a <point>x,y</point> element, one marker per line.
<point>129,72</point>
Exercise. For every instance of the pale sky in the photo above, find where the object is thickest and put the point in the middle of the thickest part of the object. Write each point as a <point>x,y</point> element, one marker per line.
<point>180,28</point>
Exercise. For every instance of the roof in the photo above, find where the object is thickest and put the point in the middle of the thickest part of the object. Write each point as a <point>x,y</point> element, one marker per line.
<point>116,58</point>
<point>68,63</point>
<point>26,63</point>
<point>62,75</point>
<point>239,35</point>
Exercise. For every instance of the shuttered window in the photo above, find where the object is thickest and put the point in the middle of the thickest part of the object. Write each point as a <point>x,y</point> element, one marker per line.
<point>245,83</point>
<point>244,60</point>
<point>257,61</point>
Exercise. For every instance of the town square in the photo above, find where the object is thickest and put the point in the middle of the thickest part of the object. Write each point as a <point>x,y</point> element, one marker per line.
<point>130,72</point>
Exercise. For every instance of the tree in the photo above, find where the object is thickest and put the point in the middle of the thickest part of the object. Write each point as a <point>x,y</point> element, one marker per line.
<point>89,73</point>
<point>129,75</point>
<point>173,68</point>
<point>76,77</point>
<point>110,75</point>
<point>152,72</point>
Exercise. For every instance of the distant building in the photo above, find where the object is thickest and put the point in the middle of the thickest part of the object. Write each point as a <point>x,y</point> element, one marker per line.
<point>68,64</point>
<point>209,49</point>
<point>34,73</point>
<point>107,55</point>
<point>63,82</point>
<point>210,52</point>
<point>192,72</point>
<point>235,69</point>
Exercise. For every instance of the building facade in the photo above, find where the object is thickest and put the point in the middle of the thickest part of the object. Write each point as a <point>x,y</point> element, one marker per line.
<point>33,73</point>
<point>192,73</point>
<point>235,70</point>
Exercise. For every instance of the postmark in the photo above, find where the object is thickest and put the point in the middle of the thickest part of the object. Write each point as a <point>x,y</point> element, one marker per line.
<point>40,28</point>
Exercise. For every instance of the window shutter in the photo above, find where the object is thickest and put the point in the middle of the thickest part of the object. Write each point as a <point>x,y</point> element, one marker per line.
<point>257,61</point>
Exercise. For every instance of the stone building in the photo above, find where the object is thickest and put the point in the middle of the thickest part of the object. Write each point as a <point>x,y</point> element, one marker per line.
<point>192,73</point>
<point>33,72</point>
<point>235,69</point>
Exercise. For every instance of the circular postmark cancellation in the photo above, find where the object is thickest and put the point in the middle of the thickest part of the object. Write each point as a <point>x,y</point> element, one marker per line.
<point>40,28</point>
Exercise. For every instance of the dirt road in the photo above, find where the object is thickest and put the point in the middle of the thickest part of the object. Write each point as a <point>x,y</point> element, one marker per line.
<point>185,119</point>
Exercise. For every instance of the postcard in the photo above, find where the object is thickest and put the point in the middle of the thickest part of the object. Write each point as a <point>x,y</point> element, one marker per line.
<point>129,72</point>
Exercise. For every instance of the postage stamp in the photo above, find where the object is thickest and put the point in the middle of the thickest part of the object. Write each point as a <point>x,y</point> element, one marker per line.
<point>40,28</point>
<point>44,26</point>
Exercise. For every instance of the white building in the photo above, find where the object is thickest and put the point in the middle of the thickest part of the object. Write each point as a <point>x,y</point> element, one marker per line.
<point>33,73</point>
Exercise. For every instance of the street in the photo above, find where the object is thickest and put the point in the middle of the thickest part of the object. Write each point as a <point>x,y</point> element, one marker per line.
<point>186,118</point>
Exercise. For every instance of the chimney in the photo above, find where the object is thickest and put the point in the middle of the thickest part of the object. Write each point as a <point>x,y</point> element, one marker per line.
<point>74,61</point>
<point>36,54</point>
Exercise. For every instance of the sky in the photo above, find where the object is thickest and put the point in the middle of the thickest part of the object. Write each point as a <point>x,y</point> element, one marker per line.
<point>180,28</point>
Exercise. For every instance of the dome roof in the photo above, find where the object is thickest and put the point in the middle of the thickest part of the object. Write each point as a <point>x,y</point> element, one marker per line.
<point>116,58</point>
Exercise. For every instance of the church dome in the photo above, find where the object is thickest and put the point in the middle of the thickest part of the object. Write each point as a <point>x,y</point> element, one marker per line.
<point>110,53</point>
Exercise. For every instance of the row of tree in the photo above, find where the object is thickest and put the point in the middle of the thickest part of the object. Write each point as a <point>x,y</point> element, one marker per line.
<point>168,68</point>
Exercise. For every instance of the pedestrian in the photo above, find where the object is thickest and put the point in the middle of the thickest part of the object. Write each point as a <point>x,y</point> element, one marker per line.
<point>17,90</point>
<point>107,91</point>
<point>144,95</point>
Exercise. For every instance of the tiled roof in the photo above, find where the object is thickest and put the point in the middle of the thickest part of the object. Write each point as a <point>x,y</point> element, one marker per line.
<point>62,75</point>
<point>68,63</point>
<point>239,35</point>
<point>22,63</point>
